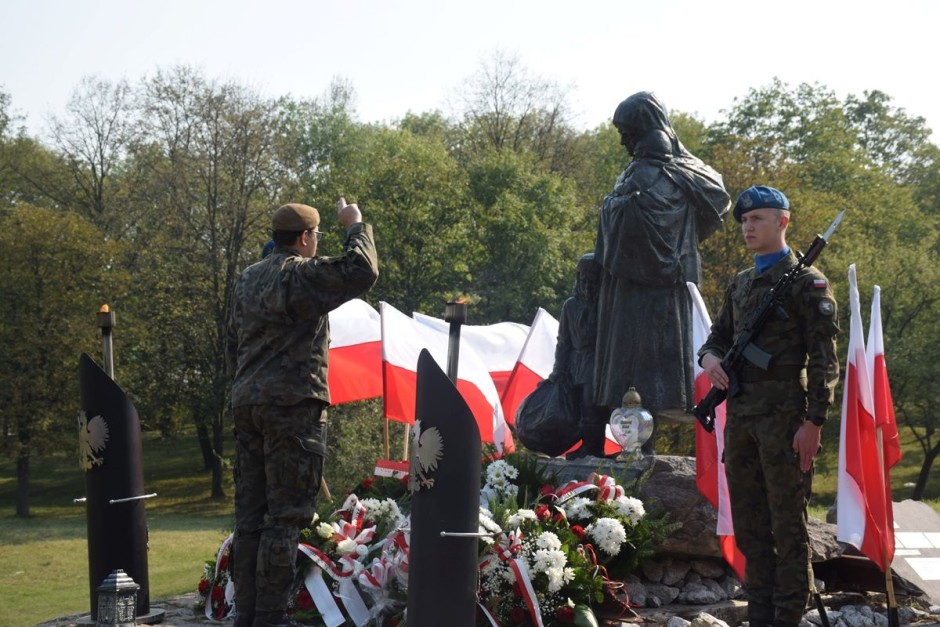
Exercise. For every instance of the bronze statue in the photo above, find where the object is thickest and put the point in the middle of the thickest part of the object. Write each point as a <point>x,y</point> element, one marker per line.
<point>663,204</point>
<point>574,356</point>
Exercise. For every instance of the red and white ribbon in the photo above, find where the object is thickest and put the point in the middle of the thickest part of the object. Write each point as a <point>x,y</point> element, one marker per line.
<point>573,489</point>
<point>609,490</point>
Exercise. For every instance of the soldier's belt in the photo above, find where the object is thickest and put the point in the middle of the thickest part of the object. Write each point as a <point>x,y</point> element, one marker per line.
<point>777,373</point>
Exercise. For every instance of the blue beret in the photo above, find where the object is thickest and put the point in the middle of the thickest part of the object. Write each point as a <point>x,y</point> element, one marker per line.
<point>759,197</point>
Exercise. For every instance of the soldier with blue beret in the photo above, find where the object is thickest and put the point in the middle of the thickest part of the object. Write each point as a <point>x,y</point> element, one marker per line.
<point>773,428</point>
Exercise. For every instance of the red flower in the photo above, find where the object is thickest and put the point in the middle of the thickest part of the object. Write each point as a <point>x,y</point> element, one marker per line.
<point>203,586</point>
<point>559,518</point>
<point>218,593</point>
<point>367,483</point>
<point>304,602</point>
<point>565,614</point>
<point>517,616</point>
<point>542,512</point>
<point>404,480</point>
<point>546,490</point>
<point>578,530</point>
<point>223,563</point>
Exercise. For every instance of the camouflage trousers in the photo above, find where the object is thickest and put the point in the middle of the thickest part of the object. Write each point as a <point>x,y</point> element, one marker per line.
<point>769,494</point>
<point>279,455</point>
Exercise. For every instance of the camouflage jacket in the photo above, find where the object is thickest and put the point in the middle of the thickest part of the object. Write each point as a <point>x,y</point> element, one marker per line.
<point>804,368</point>
<point>278,332</point>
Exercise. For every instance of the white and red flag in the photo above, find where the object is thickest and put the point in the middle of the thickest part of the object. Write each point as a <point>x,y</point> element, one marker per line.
<point>498,345</point>
<point>863,499</point>
<point>535,362</point>
<point>709,469</point>
<point>881,395</point>
<point>355,370</point>
<point>402,341</point>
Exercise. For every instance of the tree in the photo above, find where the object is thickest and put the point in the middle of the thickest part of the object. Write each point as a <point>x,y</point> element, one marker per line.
<point>505,107</point>
<point>93,139</point>
<point>57,275</point>
<point>209,151</point>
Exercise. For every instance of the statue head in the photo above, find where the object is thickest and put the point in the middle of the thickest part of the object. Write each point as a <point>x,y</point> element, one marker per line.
<point>642,118</point>
<point>589,273</point>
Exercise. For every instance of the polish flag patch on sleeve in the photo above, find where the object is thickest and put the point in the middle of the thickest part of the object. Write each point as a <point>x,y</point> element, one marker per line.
<point>820,283</point>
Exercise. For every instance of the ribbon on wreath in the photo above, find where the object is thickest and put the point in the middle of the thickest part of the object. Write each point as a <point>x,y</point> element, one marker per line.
<point>229,594</point>
<point>572,489</point>
<point>609,490</point>
<point>507,548</point>
<point>323,597</point>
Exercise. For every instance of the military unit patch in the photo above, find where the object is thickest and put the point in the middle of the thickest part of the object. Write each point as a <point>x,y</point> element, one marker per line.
<point>826,307</point>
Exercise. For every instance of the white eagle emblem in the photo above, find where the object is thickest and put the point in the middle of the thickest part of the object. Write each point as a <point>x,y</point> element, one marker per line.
<point>427,448</point>
<point>92,436</point>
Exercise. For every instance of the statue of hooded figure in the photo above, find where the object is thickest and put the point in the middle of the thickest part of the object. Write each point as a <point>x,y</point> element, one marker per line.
<point>663,204</point>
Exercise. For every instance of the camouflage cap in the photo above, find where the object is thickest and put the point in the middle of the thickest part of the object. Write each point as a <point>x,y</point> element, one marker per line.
<point>295,217</point>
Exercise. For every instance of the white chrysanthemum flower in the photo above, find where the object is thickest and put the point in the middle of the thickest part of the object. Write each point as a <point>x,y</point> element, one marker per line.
<point>325,530</point>
<point>568,576</point>
<point>555,578</point>
<point>608,533</point>
<point>346,546</point>
<point>516,519</point>
<point>548,540</point>
<point>630,508</point>
<point>544,560</point>
<point>578,508</point>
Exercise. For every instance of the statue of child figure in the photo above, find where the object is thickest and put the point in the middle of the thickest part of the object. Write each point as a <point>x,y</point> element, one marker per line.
<point>574,356</point>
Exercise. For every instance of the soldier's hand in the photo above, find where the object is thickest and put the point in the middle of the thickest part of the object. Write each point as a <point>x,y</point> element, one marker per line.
<point>806,444</point>
<point>711,365</point>
<point>347,213</point>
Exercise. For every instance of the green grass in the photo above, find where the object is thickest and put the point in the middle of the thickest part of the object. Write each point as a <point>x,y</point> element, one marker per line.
<point>44,558</point>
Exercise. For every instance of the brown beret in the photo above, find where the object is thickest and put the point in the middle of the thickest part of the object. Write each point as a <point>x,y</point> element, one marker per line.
<point>295,217</point>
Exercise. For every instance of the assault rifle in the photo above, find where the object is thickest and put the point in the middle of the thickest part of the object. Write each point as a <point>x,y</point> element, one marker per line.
<point>744,347</point>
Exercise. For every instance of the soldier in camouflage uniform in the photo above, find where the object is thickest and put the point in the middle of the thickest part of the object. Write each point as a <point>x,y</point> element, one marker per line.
<point>277,348</point>
<point>773,427</point>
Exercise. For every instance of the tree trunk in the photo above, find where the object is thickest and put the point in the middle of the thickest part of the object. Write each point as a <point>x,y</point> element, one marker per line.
<point>217,491</point>
<point>205,444</point>
<point>22,484</point>
<point>921,485</point>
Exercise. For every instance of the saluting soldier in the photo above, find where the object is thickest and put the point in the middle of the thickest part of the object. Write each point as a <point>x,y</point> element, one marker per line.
<point>277,350</point>
<point>772,432</point>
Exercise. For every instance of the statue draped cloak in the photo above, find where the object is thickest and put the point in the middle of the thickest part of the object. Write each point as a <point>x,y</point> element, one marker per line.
<point>662,205</point>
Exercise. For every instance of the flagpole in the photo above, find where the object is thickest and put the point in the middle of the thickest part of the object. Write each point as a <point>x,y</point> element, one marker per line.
<point>892,610</point>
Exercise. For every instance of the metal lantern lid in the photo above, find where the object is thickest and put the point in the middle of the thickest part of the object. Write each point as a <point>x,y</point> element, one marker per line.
<point>631,398</point>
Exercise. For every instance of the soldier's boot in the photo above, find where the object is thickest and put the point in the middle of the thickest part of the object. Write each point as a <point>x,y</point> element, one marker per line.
<point>592,441</point>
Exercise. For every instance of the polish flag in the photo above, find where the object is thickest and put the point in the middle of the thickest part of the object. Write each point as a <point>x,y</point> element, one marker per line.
<point>402,341</point>
<point>881,394</point>
<point>535,363</point>
<point>498,345</point>
<point>709,469</point>
<point>863,497</point>
<point>355,368</point>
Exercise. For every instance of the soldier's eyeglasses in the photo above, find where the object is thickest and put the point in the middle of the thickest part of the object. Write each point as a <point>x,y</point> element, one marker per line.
<point>316,234</point>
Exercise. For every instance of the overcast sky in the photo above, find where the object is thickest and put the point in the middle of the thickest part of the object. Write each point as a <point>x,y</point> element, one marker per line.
<point>402,55</point>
